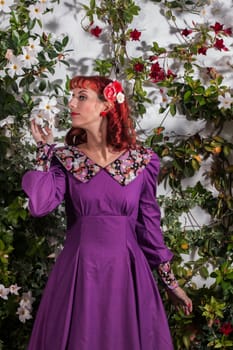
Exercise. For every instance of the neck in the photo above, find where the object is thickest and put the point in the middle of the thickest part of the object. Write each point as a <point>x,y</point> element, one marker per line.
<point>97,139</point>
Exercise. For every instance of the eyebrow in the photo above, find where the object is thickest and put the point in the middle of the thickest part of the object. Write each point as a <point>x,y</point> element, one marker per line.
<point>81,91</point>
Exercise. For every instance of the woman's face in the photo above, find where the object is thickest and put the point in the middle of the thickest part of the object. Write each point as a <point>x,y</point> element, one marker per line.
<point>85,108</point>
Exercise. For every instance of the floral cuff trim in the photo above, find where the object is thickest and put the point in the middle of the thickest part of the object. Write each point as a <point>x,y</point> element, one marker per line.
<point>167,276</point>
<point>43,156</point>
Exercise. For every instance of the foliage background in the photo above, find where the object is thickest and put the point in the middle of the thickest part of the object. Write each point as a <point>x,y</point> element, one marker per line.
<point>196,166</point>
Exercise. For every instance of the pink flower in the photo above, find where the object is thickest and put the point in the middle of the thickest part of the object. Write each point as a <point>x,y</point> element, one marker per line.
<point>135,35</point>
<point>9,54</point>
<point>219,44</point>
<point>202,50</point>
<point>96,31</point>
<point>114,92</point>
<point>186,32</point>
<point>138,67</point>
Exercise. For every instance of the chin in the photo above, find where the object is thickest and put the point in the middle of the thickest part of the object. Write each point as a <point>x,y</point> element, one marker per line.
<point>76,125</point>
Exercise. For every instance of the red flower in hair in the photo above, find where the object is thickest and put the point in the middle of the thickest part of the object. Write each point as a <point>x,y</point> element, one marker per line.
<point>114,92</point>
<point>135,35</point>
<point>96,31</point>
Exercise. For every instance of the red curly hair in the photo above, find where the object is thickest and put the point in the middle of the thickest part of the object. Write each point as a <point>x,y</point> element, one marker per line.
<point>120,130</point>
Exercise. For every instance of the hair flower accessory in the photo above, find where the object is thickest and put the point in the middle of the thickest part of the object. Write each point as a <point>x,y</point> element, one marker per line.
<point>114,92</point>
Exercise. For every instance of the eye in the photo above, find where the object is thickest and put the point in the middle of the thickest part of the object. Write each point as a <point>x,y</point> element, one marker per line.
<point>82,97</point>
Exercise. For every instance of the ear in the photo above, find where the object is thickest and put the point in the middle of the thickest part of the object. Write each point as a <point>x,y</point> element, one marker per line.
<point>107,106</point>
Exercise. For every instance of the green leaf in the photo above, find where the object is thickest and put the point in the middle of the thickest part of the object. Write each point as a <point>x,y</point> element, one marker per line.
<point>187,96</point>
<point>42,85</point>
<point>65,41</point>
<point>172,109</point>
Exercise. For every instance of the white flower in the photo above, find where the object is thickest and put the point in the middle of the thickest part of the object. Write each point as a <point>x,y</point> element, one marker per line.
<point>165,99</point>
<point>51,121</point>
<point>5,5</point>
<point>34,45</point>
<point>27,300</point>
<point>4,292</point>
<point>225,101</point>
<point>36,11</point>
<point>24,314</point>
<point>120,97</point>
<point>13,289</point>
<point>39,116</point>
<point>28,58</point>
<point>14,66</point>
<point>5,21</point>
<point>48,105</point>
<point>7,121</point>
<point>2,73</point>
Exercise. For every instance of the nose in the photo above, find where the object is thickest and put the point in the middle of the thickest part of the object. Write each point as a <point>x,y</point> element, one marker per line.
<point>72,103</point>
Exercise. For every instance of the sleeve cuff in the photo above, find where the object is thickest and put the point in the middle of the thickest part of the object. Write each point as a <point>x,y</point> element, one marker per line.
<point>44,155</point>
<point>167,276</point>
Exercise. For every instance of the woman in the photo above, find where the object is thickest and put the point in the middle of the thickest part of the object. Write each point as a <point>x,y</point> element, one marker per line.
<point>101,294</point>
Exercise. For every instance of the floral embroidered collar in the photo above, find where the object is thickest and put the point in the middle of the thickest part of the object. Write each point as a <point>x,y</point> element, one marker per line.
<point>124,169</point>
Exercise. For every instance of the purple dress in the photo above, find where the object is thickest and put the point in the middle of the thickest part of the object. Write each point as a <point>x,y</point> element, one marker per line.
<point>101,294</point>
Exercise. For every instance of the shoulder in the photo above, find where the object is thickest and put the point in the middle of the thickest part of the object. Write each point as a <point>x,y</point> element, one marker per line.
<point>146,154</point>
<point>149,160</point>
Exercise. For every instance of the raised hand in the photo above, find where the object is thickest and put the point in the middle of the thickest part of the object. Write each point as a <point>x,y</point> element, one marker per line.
<point>40,134</point>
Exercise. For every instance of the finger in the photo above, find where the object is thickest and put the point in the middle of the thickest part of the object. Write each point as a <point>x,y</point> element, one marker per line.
<point>48,129</point>
<point>33,125</point>
<point>188,307</point>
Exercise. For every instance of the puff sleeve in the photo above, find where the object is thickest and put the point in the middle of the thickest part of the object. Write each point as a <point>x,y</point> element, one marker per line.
<point>148,230</point>
<point>45,186</point>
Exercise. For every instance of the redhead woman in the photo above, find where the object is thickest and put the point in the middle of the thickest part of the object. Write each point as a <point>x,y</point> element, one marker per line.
<point>101,293</point>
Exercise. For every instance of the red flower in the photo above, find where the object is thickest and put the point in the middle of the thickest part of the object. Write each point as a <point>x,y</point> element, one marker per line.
<point>135,35</point>
<point>186,32</point>
<point>226,328</point>
<point>219,44</point>
<point>171,74</point>
<point>155,67</point>
<point>153,58</point>
<point>217,27</point>
<point>157,73</point>
<point>96,31</point>
<point>202,50</point>
<point>227,31</point>
<point>138,67</point>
